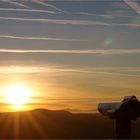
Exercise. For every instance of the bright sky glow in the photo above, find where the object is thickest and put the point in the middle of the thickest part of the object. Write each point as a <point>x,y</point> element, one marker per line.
<point>17,94</point>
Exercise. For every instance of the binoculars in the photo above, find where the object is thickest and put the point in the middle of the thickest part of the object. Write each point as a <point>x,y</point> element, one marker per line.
<point>123,112</point>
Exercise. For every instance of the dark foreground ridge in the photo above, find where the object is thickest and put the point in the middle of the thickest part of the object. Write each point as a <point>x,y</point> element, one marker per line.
<point>41,123</point>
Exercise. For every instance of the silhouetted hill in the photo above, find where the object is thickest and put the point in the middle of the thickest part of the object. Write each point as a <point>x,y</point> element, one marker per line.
<point>41,123</point>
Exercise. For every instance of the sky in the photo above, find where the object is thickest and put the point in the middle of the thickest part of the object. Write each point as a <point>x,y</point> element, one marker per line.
<point>73,54</point>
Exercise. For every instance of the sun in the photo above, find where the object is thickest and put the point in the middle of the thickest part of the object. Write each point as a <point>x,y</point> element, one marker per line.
<point>17,95</point>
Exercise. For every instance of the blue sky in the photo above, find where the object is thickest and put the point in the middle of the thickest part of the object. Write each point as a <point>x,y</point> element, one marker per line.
<point>72,49</point>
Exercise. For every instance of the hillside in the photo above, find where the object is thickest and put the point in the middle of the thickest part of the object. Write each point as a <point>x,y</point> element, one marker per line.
<point>41,123</point>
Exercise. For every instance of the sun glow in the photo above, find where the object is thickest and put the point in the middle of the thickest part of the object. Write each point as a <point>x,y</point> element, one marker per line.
<point>17,95</point>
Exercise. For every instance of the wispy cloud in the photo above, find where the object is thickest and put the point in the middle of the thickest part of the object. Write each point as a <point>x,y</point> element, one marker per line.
<point>36,38</point>
<point>93,51</point>
<point>57,70</point>
<point>55,21</point>
<point>70,22</point>
<point>16,3</point>
<point>48,5</point>
<point>92,14</point>
<point>28,10</point>
<point>134,5</point>
<point>33,10</point>
<point>108,16</point>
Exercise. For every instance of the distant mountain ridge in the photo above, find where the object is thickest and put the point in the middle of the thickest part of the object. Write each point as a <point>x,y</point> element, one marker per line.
<point>42,123</point>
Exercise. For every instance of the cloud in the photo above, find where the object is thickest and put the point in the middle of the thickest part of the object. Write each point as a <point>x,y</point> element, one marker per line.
<point>134,5</point>
<point>55,21</point>
<point>13,69</point>
<point>93,51</point>
<point>109,16</point>
<point>92,14</point>
<point>16,3</point>
<point>37,2</point>
<point>48,5</point>
<point>36,38</point>
<point>28,10</point>
<point>94,72</point>
<point>70,22</point>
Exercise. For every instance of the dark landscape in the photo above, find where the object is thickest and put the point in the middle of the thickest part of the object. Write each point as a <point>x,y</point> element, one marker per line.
<point>61,61</point>
<point>41,123</point>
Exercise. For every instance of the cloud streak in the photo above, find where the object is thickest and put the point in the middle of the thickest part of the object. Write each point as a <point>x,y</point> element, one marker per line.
<point>108,16</point>
<point>36,38</point>
<point>47,5</point>
<point>53,69</point>
<point>134,5</point>
<point>16,3</point>
<point>70,22</point>
<point>33,10</point>
<point>93,51</point>
<point>28,10</point>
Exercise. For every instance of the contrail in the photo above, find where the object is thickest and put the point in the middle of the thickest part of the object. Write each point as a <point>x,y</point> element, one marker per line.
<point>16,3</point>
<point>93,72</point>
<point>53,12</point>
<point>37,38</point>
<point>93,51</point>
<point>46,69</point>
<point>29,10</point>
<point>57,21</point>
<point>109,16</point>
<point>70,22</point>
<point>134,5</point>
<point>47,5</point>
